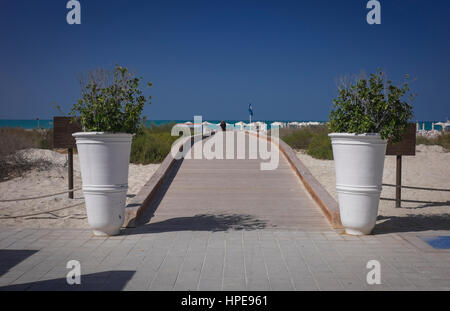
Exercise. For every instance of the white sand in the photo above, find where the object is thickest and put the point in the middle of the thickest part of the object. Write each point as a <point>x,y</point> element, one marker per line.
<point>58,211</point>
<point>430,168</point>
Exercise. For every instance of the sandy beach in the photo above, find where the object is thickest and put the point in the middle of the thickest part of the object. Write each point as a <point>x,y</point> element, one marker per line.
<point>57,211</point>
<point>430,169</point>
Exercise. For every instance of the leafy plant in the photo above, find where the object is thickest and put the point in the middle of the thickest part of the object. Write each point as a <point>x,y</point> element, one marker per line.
<point>110,102</point>
<point>372,105</point>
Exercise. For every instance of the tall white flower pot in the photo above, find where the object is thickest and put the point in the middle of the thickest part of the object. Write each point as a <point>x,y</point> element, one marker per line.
<point>359,163</point>
<point>104,160</point>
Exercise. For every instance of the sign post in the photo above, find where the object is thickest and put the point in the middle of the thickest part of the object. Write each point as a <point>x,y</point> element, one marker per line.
<point>398,182</point>
<point>70,172</point>
<point>63,128</point>
<point>406,147</point>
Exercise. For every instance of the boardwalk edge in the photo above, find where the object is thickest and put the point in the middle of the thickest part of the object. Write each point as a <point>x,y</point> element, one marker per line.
<point>326,202</point>
<point>323,199</point>
<point>136,208</point>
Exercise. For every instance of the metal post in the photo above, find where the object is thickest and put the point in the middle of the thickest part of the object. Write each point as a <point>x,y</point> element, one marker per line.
<point>70,172</point>
<point>398,183</point>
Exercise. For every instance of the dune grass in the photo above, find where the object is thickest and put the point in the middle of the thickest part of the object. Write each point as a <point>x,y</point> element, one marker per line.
<point>320,147</point>
<point>12,140</point>
<point>150,146</point>
<point>313,139</point>
<point>440,140</point>
<point>153,144</point>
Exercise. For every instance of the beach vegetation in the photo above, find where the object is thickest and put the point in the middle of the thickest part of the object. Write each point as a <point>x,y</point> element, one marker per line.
<point>312,139</point>
<point>111,101</point>
<point>320,147</point>
<point>152,144</point>
<point>13,162</point>
<point>372,105</point>
<point>440,140</point>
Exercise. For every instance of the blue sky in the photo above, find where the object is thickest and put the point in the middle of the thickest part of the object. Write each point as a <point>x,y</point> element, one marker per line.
<point>211,58</point>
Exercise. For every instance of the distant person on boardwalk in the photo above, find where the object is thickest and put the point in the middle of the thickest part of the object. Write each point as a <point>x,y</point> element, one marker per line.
<point>223,125</point>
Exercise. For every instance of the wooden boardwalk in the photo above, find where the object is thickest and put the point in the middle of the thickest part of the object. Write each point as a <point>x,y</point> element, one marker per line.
<point>233,194</point>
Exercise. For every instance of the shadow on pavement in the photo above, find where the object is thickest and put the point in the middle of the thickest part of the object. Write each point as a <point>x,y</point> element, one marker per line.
<point>425,203</point>
<point>412,223</point>
<point>201,222</point>
<point>109,280</point>
<point>12,257</point>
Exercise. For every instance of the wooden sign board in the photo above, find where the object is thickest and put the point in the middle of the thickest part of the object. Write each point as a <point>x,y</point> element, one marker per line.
<point>405,147</point>
<point>63,128</point>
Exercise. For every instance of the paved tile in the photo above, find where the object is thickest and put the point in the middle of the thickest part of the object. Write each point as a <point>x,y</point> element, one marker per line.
<point>232,260</point>
<point>215,230</point>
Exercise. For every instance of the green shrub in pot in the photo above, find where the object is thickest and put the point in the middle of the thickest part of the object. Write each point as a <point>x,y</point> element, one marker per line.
<point>366,114</point>
<point>110,113</point>
<point>373,105</point>
<point>111,102</point>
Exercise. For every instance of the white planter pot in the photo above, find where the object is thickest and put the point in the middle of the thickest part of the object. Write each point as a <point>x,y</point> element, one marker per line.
<point>104,160</point>
<point>359,162</point>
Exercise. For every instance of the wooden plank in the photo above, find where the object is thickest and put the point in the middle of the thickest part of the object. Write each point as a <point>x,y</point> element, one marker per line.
<point>140,203</point>
<point>226,194</point>
<point>323,199</point>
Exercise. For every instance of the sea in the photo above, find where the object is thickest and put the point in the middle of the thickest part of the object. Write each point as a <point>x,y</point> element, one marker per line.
<point>47,124</point>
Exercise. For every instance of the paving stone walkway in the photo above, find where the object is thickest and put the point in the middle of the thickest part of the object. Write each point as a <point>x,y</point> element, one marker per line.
<point>214,229</point>
<point>221,260</point>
